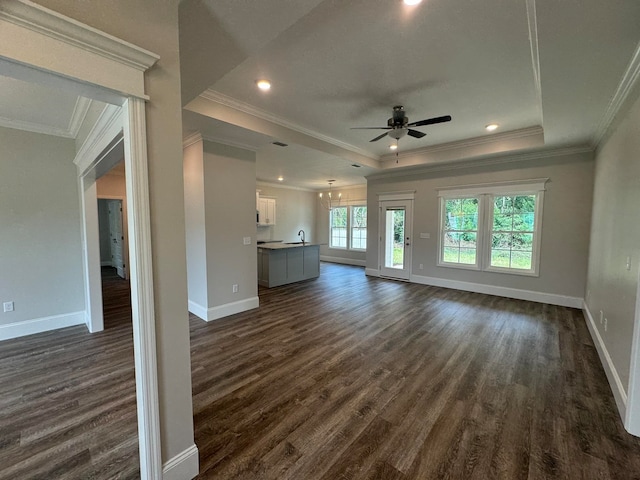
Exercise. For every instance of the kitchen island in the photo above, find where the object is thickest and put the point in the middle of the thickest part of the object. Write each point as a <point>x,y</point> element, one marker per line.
<point>284,263</point>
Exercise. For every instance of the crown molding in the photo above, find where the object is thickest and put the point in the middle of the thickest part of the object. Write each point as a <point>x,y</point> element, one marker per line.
<point>107,127</point>
<point>625,87</point>
<point>229,143</point>
<point>230,102</point>
<point>34,127</point>
<point>261,183</point>
<point>79,114</point>
<point>191,139</point>
<point>39,19</point>
<point>532,21</point>
<point>471,142</point>
<point>75,122</point>
<point>503,159</point>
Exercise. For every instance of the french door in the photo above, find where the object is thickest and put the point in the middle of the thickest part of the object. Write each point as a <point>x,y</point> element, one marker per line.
<point>395,238</point>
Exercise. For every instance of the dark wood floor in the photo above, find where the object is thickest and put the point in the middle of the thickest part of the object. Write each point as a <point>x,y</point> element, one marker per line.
<point>343,377</point>
<point>68,400</point>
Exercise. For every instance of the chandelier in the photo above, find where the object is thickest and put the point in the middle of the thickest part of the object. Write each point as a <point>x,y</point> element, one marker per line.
<point>328,201</point>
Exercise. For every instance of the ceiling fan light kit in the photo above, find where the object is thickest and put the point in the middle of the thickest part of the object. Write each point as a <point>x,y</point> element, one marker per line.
<point>398,126</point>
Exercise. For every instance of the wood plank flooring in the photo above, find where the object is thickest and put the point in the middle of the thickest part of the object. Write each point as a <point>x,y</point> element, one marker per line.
<point>349,377</point>
<point>343,377</point>
<point>68,401</point>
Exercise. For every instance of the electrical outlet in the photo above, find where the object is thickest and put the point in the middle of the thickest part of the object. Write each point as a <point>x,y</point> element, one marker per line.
<point>7,306</point>
<point>421,267</point>
<point>234,288</point>
<point>628,263</point>
<point>601,316</point>
<point>605,324</point>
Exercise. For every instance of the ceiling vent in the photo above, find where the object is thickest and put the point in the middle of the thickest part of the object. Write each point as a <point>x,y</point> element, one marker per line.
<point>280,144</point>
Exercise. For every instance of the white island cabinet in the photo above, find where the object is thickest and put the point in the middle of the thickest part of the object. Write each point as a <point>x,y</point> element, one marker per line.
<point>281,263</point>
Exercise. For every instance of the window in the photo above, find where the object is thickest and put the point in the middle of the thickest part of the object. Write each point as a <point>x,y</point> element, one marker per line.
<point>338,227</point>
<point>492,227</point>
<point>461,231</point>
<point>348,227</point>
<point>359,227</point>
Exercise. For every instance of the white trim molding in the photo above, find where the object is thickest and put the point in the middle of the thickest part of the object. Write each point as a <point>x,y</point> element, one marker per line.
<point>191,139</point>
<point>343,261</point>
<point>107,128</point>
<point>507,292</point>
<point>616,385</point>
<point>371,272</point>
<point>183,466</point>
<point>392,196</point>
<point>221,311</point>
<point>39,325</point>
<point>221,99</point>
<point>142,299</point>
<point>627,85</point>
<point>58,27</point>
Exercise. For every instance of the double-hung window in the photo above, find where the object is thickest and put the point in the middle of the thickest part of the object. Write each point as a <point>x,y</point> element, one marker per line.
<point>348,227</point>
<point>493,227</point>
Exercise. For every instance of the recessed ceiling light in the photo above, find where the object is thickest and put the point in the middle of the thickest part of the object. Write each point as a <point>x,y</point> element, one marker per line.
<point>491,127</point>
<point>412,2</point>
<point>280,178</point>
<point>263,85</point>
<point>393,147</point>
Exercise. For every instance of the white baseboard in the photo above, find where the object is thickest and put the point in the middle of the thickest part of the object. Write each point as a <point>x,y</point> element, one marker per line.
<point>372,272</point>
<point>225,310</point>
<point>530,295</point>
<point>619,393</point>
<point>39,325</point>
<point>183,466</point>
<point>344,261</point>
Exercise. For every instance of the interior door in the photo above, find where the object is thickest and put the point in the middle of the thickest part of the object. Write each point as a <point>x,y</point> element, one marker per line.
<point>116,236</point>
<point>396,218</point>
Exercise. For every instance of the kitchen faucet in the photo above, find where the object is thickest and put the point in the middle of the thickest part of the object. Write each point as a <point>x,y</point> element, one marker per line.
<point>301,234</point>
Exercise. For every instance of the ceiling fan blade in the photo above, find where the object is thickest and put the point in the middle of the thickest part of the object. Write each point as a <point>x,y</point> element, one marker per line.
<point>379,137</point>
<point>415,133</point>
<point>430,121</point>
<point>370,128</point>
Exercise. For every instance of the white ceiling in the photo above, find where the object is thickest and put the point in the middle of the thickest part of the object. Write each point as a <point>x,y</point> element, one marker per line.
<point>546,71</point>
<point>551,73</point>
<point>35,108</point>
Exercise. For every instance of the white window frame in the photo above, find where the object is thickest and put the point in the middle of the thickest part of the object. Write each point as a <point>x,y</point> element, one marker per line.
<point>350,224</point>
<point>486,193</point>
<point>346,247</point>
<point>349,206</point>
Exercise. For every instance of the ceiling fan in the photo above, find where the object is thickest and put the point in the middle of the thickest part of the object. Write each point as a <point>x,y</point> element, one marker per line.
<point>398,125</point>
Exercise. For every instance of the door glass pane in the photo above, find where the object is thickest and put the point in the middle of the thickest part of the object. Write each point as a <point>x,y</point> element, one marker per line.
<point>394,238</point>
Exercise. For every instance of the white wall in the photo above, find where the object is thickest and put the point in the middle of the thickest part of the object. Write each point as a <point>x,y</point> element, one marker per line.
<point>230,215</point>
<point>615,234</point>
<point>40,240</point>
<point>565,222</point>
<point>195,224</point>
<point>295,211</point>
<point>220,203</point>
<point>350,195</point>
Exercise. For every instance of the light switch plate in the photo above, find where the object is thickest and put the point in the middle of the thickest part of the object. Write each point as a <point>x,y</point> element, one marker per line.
<point>246,240</point>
